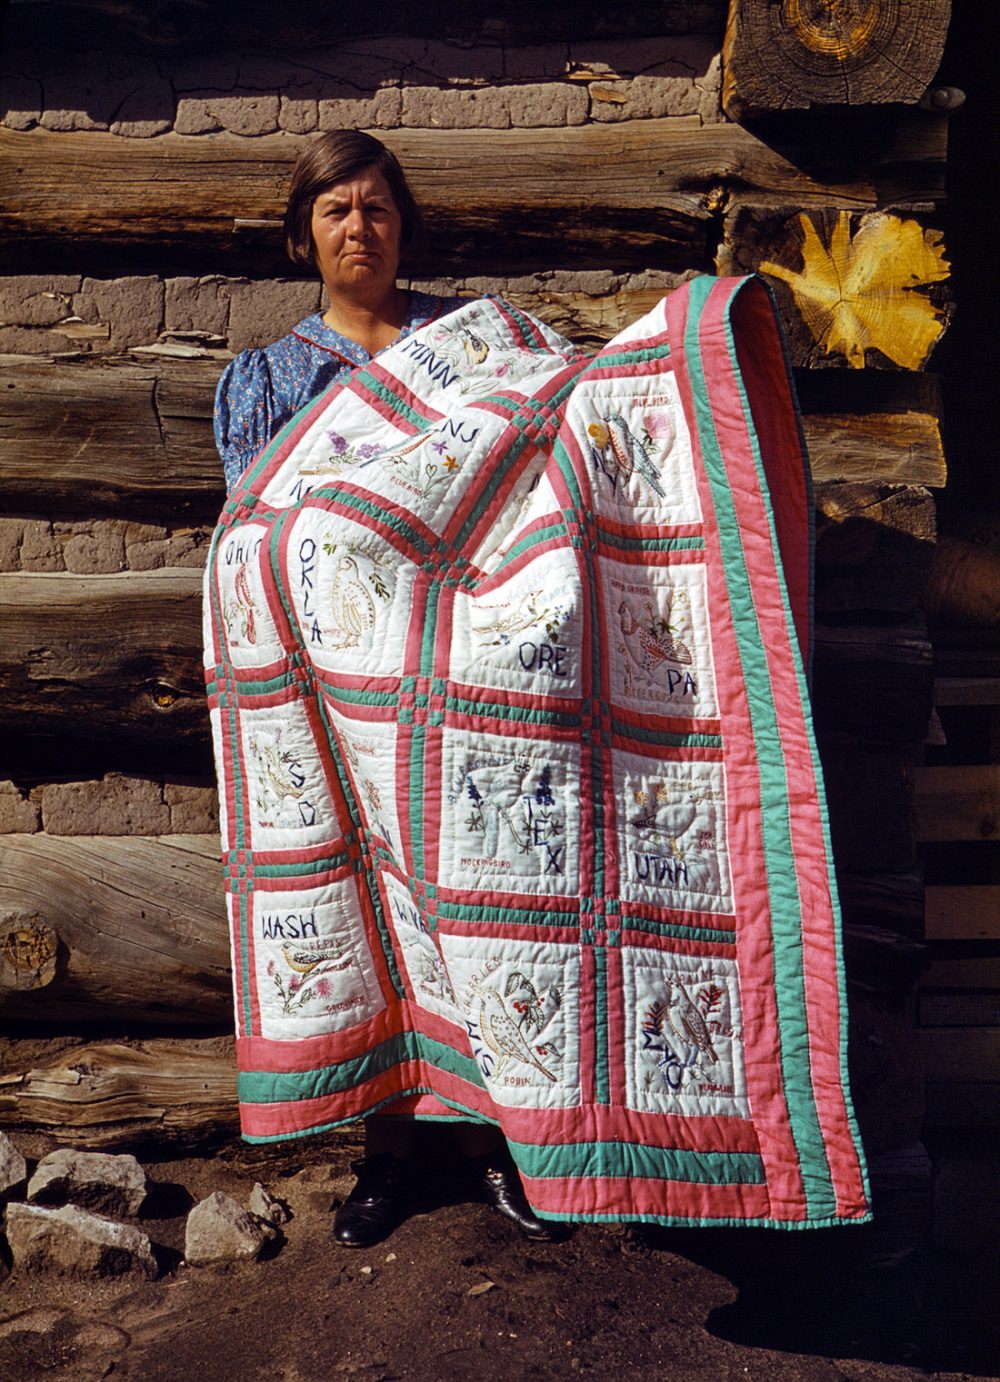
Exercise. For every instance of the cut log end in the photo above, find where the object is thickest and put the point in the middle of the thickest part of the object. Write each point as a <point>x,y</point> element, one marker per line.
<point>29,951</point>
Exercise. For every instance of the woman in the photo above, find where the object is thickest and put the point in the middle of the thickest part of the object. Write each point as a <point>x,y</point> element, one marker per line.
<point>351,214</point>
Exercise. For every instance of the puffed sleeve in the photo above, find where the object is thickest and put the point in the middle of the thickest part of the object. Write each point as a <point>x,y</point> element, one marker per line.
<point>244,410</point>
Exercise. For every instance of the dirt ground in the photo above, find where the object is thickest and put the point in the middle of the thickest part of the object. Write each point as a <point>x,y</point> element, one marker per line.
<point>456,1294</point>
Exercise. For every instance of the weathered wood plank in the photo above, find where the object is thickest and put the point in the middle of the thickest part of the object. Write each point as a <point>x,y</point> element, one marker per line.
<point>828,52</point>
<point>643,192</point>
<point>874,681</point>
<point>957,803</point>
<point>978,1007</point>
<point>874,547</point>
<point>140,926</point>
<point>961,1054</point>
<point>963,912</point>
<point>121,438</point>
<point>111,1095</point>
<point>967,691</point>
<point>110,436</point>
<point>118,655</point>
<point>876,447</point>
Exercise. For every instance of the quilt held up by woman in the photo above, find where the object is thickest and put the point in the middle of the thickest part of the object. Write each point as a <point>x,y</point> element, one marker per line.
<point>521,814</point>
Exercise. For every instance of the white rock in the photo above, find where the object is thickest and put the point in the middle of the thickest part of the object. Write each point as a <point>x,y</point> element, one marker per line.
<point>92,1180</point>
<point>71,1242</point>
<point>13,1167</point>
<point>220,1230</point>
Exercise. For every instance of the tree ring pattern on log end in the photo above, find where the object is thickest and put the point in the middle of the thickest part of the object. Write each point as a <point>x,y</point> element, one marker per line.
<point>857,289</point>
<point>835,35</point>
<point>799,53</point>
<point>29,951</point>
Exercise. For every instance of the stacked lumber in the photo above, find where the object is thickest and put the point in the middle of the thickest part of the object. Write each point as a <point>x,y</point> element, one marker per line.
<point>148,253</point>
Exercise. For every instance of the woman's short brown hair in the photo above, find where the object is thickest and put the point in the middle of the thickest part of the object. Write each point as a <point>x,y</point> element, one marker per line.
<point>338,156</point>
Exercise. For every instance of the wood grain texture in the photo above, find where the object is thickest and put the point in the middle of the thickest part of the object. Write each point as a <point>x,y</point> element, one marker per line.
<point>141,927</point>
<point>957,803</point>
<point>829,52</point>
<point>120,438</point>
<point>963,912</point>
<point>639,193</point>
<point>110,436</point>
<point>107,656</point>
<point>109,1094</point>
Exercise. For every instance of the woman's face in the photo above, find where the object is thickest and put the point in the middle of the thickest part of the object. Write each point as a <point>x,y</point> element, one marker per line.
<point>356,229</point>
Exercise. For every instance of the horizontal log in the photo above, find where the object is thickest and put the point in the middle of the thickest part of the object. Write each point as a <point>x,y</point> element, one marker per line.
<point>200,26</point>
<point>963,912</point>
<point>952,1008</point>
<point>122,438</point>
<point>967,691</point>
<point>973,1105</point>
<point>961,1054</point>
<point>793,56</point>
<point>873,681</point>
<point>140,928</point>
<point>957,803</point>
<point>111,1095</point>
<point>640,193</point>
<point>118,654</point>
<point>876,447</point>
<point>957,971</point>
<point>111,437</point>
<point>874,548</point>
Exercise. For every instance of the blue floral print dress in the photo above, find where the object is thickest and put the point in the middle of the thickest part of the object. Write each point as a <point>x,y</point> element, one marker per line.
<point>262,388</point>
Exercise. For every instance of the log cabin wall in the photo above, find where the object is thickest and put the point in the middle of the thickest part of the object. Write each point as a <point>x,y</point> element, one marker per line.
<point>581,165</point>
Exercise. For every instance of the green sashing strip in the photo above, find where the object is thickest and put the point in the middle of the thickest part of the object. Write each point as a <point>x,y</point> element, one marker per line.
<point>665,738</point>
<point>505,916</point>
<point>602,1079</point>
<point>277,1087</point>
<point>518,714</point>
<point>802,674</point>
<point>779,860</point>
<point>589,1160</point>
<point>677,931</point>
<point>649,544</point>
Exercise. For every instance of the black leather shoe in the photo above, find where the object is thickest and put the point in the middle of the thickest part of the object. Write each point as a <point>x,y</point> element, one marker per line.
<point>375,1205</point>
<point>502,1191</point>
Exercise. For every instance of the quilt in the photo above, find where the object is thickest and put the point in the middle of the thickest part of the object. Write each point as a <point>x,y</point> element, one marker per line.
<point>522,822</point>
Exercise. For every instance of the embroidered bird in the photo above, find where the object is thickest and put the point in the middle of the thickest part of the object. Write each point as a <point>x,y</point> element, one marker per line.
<point>518,618</point>
<point>475,347</point>
<point>687,1023</point>
<point>304,957</point>
<point>498,790</point>
<point>286,781</point>
<point>664,810</point>
<point>656,640</point>
<point>244,601</point>
<point>503,1036</point>
<point>618,446</point>
<point>353,607</point>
